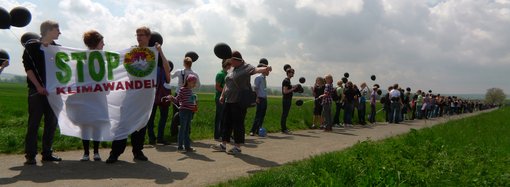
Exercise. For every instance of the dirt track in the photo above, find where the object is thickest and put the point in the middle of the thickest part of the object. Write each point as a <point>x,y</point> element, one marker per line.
<point>168,167</point>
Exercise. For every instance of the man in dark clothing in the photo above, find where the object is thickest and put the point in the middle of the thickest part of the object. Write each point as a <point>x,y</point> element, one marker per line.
<point>287,90</point>
<point>38,106</point>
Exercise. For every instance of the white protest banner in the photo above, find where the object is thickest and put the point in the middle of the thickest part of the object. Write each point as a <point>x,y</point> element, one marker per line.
<point>100,95</point>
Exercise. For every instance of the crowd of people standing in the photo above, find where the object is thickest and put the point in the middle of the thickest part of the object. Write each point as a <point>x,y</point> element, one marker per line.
<point>233,79</point>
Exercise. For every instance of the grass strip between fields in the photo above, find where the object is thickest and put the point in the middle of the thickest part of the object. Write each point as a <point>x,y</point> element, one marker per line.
<point>473,151</point>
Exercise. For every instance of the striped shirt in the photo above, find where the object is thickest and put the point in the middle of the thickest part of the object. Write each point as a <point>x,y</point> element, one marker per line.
<point>186,99</point>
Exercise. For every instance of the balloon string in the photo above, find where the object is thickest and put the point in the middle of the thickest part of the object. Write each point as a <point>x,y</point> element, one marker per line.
<point>31,59</point>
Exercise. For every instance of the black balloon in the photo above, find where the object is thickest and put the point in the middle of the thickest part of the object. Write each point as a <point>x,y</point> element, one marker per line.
<point>286,66</point>
<point>155,37</point>
<point>408,89</point>
<point>222,51</point>
<point>5,19</point>
<point>302,80</point>
<point>20,17</point>
<point>379,92</point>
<point>192,55</point>
<point>29,37</point>
<point>299,89</point>
<point>372,77</point>
<point>3,55</point>
<point>346,75</point>
<point>430,91</point>
<point>344,80</point>
<point>299,102</point>
<point>263,61</point>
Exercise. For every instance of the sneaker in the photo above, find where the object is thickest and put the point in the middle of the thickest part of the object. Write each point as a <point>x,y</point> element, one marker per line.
<point>112,159</point>
<point>30,161</point>
<point>97,157</point>
<point>219,147</point>
<point>140,156</point>
<point>251,134</point>
<point>313,126</point>
<point>51,158</point>
<point>180,149</point>
<point>85,157</point>
<point>190,149</point>
<point>234,151</point>
<point>286,132</point>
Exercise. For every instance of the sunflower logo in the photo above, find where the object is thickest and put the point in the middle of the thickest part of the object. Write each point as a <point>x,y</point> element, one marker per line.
<point>140,61</point>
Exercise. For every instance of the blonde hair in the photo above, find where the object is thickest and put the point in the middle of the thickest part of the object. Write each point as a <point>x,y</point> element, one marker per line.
<point>144,30</point>
<point>47,26</point>
<point>328,76</point>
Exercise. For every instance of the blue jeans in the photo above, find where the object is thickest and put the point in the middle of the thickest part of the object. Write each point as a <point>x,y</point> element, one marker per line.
<point>371,118</point>
<point>163,116</point>
<point>348,111</point>
<point>286,103</point>
<point>185,122</point>
<point>395,112</point>
<point>259,115</point>
<point>217,119</point>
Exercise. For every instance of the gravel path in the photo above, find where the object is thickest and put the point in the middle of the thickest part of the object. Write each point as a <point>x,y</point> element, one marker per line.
<point>168,167</point>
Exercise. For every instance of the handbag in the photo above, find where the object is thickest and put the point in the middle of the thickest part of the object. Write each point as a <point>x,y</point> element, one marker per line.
<point>247,98</point>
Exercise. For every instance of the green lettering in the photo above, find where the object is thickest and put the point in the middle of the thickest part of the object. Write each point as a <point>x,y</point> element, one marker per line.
<point>60,60</point>
<point>93,57</point>
<point>79,57</point>
<point>112,60</point>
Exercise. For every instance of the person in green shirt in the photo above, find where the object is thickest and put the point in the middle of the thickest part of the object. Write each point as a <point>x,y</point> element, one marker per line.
<point>220,82</point>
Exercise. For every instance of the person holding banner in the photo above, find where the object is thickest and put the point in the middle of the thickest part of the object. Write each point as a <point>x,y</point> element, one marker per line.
<point>38,106</point>
<point>143,35</point>
<point>94,41</point>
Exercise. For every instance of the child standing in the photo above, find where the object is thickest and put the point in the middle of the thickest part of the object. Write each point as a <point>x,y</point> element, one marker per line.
<point>187,105</point>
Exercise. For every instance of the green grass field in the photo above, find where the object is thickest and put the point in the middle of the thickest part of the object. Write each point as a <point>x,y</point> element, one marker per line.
<point>473,151</point>
<point>14,116</point>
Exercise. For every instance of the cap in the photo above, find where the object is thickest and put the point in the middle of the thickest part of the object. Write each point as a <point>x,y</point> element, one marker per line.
<point>237,55</point>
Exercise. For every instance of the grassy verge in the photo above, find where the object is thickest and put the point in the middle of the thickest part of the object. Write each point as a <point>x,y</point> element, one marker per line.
<point>473,151</point>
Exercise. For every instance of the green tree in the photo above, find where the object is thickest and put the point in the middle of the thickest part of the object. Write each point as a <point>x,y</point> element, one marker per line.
<point>495,96</point>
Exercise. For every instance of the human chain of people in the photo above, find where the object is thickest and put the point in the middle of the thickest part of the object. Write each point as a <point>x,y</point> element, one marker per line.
<point>150,70</point>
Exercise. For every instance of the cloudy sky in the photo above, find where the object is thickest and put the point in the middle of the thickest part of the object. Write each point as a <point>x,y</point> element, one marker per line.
<point>449,46</point>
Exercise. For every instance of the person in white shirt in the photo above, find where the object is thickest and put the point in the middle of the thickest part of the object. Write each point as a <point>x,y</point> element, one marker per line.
<point>396,102</point>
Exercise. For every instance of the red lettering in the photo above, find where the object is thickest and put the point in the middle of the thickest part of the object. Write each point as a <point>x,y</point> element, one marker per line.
<point>109,86</point>
<point>119,86</point>
<point>147,84</point>
<point>61,90</point>
<point>98,88</point>
<point>138,84</point>
<point>128,84</point>
<point>86,89</point>
<point>70,90</point>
